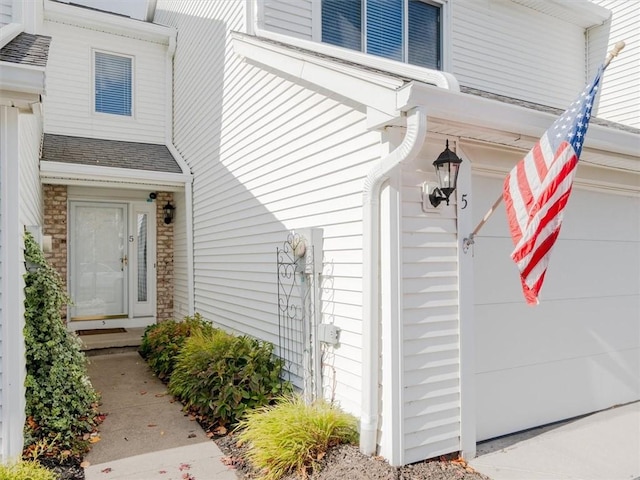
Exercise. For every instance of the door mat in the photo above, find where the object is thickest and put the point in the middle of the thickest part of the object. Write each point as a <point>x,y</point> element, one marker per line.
<point>99,331</point>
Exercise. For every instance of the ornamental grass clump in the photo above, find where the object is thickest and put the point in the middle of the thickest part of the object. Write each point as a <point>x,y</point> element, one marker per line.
<point>162,342</point>
<point>218,375</point>
<point>61,404</point>
<point>26,471</point>
<point>292,436</point>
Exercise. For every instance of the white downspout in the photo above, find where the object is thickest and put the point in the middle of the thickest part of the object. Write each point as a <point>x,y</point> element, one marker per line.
<point>188,184</point>
<point>406,151</point>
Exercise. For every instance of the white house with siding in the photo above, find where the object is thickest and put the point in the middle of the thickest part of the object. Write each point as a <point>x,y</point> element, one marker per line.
<point>322,119</point>
<point>295,140</point>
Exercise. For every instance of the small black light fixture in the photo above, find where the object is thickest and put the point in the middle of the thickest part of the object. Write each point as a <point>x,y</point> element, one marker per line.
<point>168,210</point>
<point>447,166</point>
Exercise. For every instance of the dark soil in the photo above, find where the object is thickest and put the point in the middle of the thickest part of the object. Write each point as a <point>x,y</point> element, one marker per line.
<point>69,469</point>
<point>345,462</point>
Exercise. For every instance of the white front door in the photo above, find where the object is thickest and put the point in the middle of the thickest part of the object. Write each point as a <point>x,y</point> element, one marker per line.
<point>111,264</point>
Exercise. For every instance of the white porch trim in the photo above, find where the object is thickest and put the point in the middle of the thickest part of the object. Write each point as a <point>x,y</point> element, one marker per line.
<point>59,173</point>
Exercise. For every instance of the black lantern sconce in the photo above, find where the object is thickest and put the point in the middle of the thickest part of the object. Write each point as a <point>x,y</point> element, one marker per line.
<point>447,166</point>
<point>168,210</point>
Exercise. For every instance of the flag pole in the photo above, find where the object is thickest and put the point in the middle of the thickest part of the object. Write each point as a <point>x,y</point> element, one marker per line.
<point>468,241</point>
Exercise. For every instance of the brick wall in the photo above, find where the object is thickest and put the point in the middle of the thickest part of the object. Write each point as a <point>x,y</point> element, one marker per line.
<point>164,260</point>
<point>55,224</point>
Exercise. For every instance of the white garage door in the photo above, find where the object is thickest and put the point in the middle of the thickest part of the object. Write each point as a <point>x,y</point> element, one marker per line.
<point>579,350</point>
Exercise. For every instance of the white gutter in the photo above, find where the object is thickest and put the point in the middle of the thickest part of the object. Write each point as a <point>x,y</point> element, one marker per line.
<point>9,32</point>
<point>188,183</point>
<point>406,151</point>
<point>73,172</point>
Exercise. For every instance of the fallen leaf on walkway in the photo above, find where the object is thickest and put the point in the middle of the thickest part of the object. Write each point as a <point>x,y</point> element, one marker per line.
<point>162,471</point>
<point>162,432</point>
<point>85,464</point>
<point>160,395</point>
<point>184,466</point>
<point>152,425</point>
<point>192,435</point>
<point>94,439</point>
<point>210,435</point>
<point>221,430</point>
<point>192,418</point>
<point>232,462</point>
<point>188,476</point>
<point>106,470</point>
<point>143,392</point>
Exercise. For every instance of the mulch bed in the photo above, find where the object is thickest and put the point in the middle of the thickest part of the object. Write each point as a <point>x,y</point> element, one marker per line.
<point>345,462</point>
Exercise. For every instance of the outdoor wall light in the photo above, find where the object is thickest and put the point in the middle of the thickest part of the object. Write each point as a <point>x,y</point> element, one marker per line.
<point>447,165</point>
<point>168,210</point>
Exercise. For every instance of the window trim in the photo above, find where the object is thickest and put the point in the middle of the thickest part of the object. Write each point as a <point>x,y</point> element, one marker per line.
<point>94,51</point>
<point>441,77</point>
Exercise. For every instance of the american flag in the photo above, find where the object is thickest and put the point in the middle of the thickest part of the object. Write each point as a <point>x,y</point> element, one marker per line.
<point>537,189</point>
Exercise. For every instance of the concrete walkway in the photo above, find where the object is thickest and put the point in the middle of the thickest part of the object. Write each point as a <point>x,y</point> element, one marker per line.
<point>601,446</point>
<point>146,435</point>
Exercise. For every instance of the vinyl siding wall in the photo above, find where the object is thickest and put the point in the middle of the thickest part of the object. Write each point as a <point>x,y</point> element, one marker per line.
<point>6,12</point>
<point>499,47</point>
<point>70,90</point>
<point>620,99</point>
<point>268,156</point>
<point>430,321</point>
<point>512,50</point>
<point>180,259</point>
<point>31,206</point>
<point>289,17</point>
<point>2,300</point>
<point>20,135</point>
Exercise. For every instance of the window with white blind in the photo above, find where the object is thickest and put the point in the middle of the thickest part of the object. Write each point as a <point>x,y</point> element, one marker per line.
<point>404,30</point>
<point>113,84</point>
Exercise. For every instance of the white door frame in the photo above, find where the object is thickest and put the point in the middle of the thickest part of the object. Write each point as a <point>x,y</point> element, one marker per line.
<point>139,313</point>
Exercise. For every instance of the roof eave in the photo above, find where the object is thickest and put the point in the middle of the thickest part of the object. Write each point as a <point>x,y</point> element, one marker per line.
<point>506,117</point>
<point>72,174</point>
<point>21,85</point>
<point>69,14</point>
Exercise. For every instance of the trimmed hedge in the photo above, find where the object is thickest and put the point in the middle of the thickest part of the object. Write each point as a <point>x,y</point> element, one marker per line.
<point>162,342</point>
<point>218,375</point>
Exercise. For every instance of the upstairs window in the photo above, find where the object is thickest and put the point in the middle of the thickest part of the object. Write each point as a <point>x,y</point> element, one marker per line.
<point>113,76</point>
<point>404,30</point>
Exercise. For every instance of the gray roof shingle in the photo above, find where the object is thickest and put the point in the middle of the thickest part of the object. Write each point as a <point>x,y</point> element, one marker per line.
<point>108,153</point>
<point>27,49</point>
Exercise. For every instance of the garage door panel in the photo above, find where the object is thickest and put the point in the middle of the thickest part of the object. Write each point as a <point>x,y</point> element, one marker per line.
<point>589,214</point>
<point>578,269</point>
<point>596,215</point>
<point>579,350</point>
<point>521,398</point>
<point>514,335</point>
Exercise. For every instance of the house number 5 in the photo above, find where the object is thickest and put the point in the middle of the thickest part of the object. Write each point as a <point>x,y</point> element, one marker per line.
<point>131,238</point>
<point>464,201</point>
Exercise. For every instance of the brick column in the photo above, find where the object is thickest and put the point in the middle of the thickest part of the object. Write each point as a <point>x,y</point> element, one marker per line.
<point>164,260</point>
<point>55,224</point>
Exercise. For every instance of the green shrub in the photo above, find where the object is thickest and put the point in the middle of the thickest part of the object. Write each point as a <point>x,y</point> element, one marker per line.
<point>60,400</point>
<point>291,436</point>
<point>25,471</point>
<point>162,342</point>
<point>219,375</point>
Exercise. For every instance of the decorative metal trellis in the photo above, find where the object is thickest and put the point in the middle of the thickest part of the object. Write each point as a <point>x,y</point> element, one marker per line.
<point>296,312</point>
